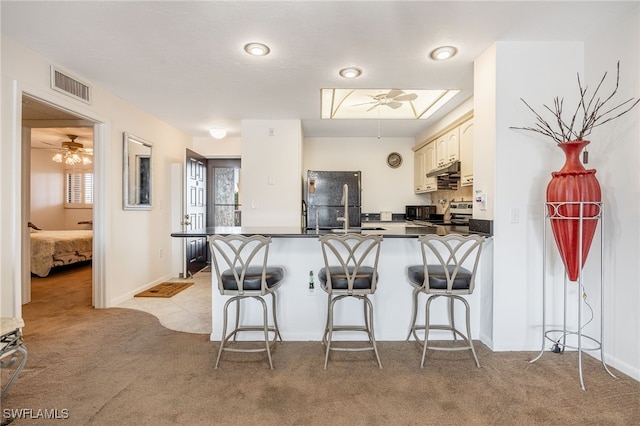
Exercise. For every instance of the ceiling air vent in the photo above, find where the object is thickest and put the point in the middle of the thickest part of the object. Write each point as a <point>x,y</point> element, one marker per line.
<point>70,86</point>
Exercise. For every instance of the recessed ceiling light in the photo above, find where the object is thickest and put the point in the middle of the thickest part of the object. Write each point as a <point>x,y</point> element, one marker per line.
<point>442,53</point>
<point>218,133</point>
<point>257,49</point>
<point>352,72</point>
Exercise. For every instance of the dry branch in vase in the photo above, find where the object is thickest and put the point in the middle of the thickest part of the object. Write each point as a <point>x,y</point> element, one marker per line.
<point>591,112</point>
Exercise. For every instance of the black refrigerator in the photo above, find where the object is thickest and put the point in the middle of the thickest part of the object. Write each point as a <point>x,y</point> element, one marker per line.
<point>324,198</point>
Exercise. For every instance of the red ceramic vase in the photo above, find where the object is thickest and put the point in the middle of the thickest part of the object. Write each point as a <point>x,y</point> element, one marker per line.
<point>573,184</point>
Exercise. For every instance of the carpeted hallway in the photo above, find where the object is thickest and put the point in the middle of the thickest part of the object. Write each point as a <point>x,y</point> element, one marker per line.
<point>120,366</point>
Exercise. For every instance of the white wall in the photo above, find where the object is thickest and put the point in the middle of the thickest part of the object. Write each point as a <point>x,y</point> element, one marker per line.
<point>615,153</point>
<point>47,196</point>
<point>271,174</point>
<point>484,116</point>
<point>383,188</point>
<point>47,191</point>
<point>523,163</point>
<point>131,240</point>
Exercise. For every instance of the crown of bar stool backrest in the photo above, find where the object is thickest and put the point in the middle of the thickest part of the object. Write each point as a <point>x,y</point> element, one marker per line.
<point>449,267</point>
<point>351,270</point>
<point>241,269</point>
<point>240,263</point>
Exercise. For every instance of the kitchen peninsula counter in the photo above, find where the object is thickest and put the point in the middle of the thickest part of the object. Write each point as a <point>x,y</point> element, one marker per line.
<point>302,311</point>
<point>390,231</point>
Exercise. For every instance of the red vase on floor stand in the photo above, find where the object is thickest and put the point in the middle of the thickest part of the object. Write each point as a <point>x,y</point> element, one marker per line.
<point>571,189</point>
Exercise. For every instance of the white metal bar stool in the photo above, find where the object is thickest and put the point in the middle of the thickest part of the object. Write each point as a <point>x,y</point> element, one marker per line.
<point>445,278</point>
<point>240,265</point>
<point>351,270</point>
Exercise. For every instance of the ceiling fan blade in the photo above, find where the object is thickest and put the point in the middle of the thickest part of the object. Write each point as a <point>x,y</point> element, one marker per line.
<point>394,105</point>
<point>407,97</point>
<point>365,103</point>
<point>377,104</point>
<point>394,93</point>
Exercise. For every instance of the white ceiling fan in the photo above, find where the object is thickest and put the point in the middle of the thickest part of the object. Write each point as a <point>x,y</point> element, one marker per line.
<point>393,99</point>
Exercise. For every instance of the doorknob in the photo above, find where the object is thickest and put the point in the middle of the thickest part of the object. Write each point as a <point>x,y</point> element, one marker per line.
<point>186,220</point>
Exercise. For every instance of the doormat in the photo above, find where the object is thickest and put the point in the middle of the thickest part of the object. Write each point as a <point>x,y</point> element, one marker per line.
<point>166,289</point>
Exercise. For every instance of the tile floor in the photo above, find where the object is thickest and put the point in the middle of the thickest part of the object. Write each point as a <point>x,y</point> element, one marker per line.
<point>188,311</point>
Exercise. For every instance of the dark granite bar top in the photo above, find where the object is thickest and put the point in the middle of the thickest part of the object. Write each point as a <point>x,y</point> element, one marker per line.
<point>297,232</point>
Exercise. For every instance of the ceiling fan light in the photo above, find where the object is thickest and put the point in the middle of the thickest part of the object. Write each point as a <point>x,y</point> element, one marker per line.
<point>74,159</point>
<point>257,49</point>
<point>57,158</point>
<point>86,160</point>
<point>351,72</point>
<point>217,132</point>
<point>442,53</point>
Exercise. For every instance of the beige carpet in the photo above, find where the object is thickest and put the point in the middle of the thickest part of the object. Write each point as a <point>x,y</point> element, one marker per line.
<point>119,366</point>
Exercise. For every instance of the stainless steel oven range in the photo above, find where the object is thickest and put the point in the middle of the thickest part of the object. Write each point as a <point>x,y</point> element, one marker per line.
<point>461,212</point>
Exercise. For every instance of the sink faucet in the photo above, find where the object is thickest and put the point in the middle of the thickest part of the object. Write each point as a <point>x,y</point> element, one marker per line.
<point>345,203</point>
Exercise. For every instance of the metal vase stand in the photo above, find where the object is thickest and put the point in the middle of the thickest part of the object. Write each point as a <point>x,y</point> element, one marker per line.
<point>559,336</point>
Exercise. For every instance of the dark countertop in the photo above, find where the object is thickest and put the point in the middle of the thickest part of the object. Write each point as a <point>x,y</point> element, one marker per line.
<point>297,232</point>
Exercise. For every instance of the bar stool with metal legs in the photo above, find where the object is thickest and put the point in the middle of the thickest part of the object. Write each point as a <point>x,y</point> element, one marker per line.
<point>447,278</point>
<point>11,346</point>
<point>350,271</point>
<point>240,265</point>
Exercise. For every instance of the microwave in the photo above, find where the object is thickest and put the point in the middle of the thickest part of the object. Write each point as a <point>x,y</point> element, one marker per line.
<point>419,212</point>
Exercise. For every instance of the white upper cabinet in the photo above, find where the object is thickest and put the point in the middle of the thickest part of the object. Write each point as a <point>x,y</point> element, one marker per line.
<point>455,143</point>
<point>430,183</point>
<point>418,170</point>
<point>466,153</point>
<point>424,161</point>
<point>448,148</point>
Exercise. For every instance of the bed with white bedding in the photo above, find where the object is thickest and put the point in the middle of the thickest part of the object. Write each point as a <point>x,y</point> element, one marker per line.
<point>57,248</point>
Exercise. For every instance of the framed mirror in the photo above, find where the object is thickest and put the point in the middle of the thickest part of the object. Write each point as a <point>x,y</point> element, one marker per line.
<point>137,177</point>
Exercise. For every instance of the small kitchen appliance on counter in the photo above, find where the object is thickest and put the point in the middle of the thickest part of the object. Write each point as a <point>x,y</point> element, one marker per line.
<point>461,213</point>
<point>423,212</point>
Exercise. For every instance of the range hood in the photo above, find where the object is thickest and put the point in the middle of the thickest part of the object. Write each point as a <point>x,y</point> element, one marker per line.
<point>452,170</point>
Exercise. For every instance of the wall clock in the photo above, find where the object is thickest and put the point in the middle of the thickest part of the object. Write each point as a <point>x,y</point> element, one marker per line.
<point>394,160</point>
